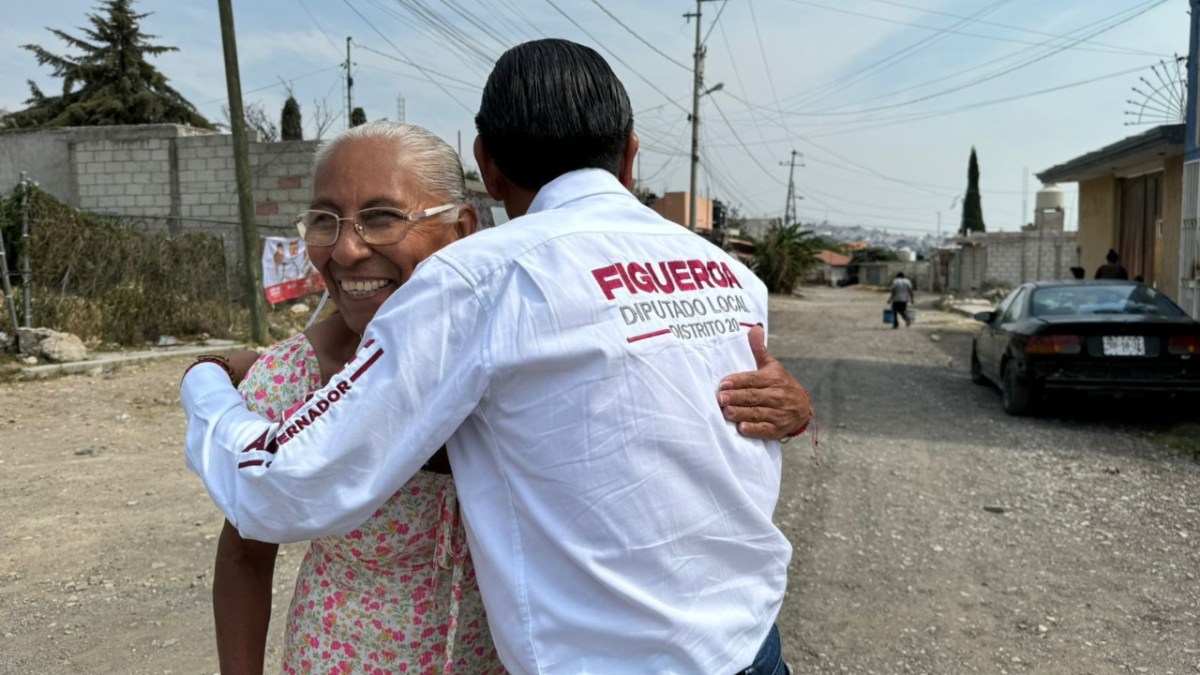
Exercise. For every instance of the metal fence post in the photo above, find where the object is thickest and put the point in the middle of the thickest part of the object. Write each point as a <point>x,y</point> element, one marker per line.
<point>7,285</point>
<point>26,269</point>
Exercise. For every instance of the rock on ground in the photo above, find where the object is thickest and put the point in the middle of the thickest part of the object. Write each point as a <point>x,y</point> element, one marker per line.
<point>51,345</point>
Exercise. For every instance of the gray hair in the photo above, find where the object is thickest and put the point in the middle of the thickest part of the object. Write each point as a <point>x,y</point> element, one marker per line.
<point>435,164</point>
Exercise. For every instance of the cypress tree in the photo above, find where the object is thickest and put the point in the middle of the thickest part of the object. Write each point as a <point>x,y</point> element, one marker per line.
<point>972,213</point>
<point>109,82</point>
<point>358,116</point>
<point>290,126</point>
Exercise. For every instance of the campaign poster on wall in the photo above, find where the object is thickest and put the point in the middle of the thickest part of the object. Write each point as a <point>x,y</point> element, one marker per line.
<point>287,271</point>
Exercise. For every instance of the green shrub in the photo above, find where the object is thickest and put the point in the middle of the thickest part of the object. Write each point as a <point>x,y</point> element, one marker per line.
<point>783,255</point>
<point>113,281</point>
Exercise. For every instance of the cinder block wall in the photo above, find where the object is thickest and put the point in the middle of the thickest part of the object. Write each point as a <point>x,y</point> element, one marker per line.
<point>1009,259</point>
<point>128,176</point>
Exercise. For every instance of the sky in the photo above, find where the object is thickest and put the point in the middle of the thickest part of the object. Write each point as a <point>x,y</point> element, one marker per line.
<point>881,99</point>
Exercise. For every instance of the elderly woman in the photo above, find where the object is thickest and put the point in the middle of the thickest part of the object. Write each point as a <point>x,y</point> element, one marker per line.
<point>398,593</point>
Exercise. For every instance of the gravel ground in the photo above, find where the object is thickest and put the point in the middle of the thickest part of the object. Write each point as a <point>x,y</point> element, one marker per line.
<point>937,535</point>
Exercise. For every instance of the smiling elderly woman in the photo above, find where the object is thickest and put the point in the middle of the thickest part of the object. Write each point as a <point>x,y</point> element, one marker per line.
<point>398,593</point>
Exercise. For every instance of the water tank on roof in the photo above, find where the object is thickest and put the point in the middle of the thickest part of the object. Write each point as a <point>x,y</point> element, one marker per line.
<point>1049,212</point>
<point>1049,197</point>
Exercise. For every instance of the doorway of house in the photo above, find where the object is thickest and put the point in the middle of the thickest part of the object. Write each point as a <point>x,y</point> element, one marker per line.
<point>1141,209</point>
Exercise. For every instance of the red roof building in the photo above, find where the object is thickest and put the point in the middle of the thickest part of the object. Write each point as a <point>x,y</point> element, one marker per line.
<point>833,259</point>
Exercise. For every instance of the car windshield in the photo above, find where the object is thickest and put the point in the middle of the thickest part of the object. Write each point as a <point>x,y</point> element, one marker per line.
<point>1085,299</point>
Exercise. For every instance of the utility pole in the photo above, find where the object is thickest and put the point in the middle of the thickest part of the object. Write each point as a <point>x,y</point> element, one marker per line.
<point>241,165</point>
<point>400,108</point>
<point>789,209</point>
<point>349,85</point>
<point>697,85</point>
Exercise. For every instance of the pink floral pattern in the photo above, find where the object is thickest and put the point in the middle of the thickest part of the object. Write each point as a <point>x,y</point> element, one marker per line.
<point>396,595</point>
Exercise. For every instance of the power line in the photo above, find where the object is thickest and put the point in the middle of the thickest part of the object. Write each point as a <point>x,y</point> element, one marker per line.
<point>516,9</point>
<point>716,19</point>
<point>408,62</point>
<point>464,88</point>
<point>320,28</point>
<point>892,59</point>
<point>738,76</point>
<point>1104,49</point>
<point>414,64</point>
<point>470,18</point>
<point>869,125</point>
<point>449,30</point>
<point>675,102</point>
<point>613,54</point>
<point>1031,31</point>
<point>1118,20</point>
<point>749,154</point>
<point>277,84</point>
<point>448,37</point>
<point>639,37</point>
<point>503,18</point>
<point>767,67</point>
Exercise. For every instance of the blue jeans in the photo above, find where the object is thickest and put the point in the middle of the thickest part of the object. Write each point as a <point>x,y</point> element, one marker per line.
<point>769,660</point>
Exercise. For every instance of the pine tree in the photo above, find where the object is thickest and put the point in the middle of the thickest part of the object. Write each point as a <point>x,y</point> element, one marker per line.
<point>358,116</point>
<point>110,82</point>
<point>972,213</point>
<point>290,126</point>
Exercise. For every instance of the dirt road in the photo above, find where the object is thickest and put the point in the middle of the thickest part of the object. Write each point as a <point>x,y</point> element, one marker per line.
<point>936,536</point>
<point>939,535</point>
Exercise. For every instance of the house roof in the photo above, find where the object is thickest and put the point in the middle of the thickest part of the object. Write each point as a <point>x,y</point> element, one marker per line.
<point>1129,153</point>
<point>833,259</point>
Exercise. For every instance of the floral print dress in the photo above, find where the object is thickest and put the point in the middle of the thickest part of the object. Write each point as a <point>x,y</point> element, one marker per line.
<point>396,595</point>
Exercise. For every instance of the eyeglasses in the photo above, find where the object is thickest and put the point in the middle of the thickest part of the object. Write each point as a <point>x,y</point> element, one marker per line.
<point>377,226</point>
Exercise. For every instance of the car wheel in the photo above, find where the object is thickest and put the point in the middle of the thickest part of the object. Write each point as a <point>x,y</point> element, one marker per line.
<point>1017,395</point>
<point>977,375</point>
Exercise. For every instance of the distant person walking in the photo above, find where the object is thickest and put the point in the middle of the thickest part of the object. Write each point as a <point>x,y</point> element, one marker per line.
<point>902,294</point>
<point>1112,269</point>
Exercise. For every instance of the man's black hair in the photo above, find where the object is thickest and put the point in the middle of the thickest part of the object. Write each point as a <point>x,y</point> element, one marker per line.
<point>550,107</point>
<point>1112,256</point>
<point>899,275</point>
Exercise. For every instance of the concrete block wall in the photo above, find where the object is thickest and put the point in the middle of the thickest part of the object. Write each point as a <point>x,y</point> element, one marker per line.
<point>968,270</point>
<point>283,180</point>
<point>207,184</point>
<point>1017,257</point>
<point>124,176</point>
<point>188,181</point>
<point>1009,259</point>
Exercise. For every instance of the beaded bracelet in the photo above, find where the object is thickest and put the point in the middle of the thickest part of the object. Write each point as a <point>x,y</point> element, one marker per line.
<point>214,359</point>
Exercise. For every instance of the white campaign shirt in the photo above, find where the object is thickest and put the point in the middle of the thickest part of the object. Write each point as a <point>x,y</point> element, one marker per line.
<point>569,360</point>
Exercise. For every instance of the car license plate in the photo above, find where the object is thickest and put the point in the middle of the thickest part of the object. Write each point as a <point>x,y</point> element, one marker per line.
<point>1124,345</point>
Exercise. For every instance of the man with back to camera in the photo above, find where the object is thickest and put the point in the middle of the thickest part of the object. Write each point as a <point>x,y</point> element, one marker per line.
<point>901,294</point>
<point>619,524</point>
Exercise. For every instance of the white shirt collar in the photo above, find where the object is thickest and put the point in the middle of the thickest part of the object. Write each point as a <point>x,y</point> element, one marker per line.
<point>575,185</point>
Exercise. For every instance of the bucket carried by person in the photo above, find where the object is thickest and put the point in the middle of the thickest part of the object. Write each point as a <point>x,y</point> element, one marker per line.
<point>889,316</point>
<point>910,315</point>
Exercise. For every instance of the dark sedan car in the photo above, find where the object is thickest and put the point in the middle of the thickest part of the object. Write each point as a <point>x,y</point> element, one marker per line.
<point>1105,337</point>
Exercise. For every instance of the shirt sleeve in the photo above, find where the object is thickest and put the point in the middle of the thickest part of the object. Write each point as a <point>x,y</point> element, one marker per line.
<point>418,374</point>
